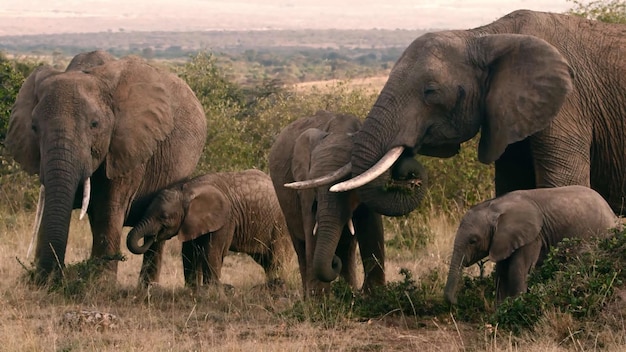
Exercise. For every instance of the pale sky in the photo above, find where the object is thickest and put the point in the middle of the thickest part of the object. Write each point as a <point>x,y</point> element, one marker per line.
<point>58,16</point>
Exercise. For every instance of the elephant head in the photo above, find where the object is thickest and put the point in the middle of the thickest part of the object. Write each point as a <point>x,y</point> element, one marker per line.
<point>187,210</point>
<point>493,229</point>
<point>444,88</point>
<point>325,213</point>
<point>101,115</point>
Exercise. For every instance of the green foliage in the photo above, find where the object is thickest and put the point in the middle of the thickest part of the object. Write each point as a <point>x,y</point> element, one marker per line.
<point>611,11</point>
<point>10,82</point>
<point>475,300</point>
<point>579,277</point>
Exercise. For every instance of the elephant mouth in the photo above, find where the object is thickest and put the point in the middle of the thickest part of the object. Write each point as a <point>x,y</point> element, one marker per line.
<point>404,185</point>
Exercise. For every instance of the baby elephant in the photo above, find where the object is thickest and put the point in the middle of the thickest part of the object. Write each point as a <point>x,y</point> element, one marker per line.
<point>517,230</point>
<point>212,214</point>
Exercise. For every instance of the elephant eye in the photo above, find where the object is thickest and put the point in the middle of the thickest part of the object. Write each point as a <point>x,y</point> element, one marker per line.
<point>34,128</point>
<point>473,240</point>
<point>94,124</point>
<point>430,94</point>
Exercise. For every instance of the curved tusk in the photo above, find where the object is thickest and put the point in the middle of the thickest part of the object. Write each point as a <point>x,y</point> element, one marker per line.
<point>323,180</point>
<point>315,229</point>
<point>38,216</point>
<point>351,226</point>
<point>86,195</point>
<point>370,174</point>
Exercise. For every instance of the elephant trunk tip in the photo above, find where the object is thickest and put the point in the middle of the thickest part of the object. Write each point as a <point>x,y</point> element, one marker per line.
<point>450,297</point>
<point>323,274</point>
<point>132,242</point>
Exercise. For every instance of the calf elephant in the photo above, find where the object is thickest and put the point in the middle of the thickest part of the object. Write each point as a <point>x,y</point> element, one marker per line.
<point>113,130</point>
<point>215,213</point>
<point>517,230</point>
<point>325,226</point>
<point>545,90</point>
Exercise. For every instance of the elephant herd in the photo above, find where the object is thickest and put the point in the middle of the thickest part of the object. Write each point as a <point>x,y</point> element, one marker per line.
<point>119,138</point>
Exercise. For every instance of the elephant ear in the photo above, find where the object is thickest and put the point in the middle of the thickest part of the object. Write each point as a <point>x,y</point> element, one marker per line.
<point>517,225</point>
<point>141,103</point>
<point>21,141</point>
<point>528,80</point>
<point>302,150</point>
<point>207,211</point>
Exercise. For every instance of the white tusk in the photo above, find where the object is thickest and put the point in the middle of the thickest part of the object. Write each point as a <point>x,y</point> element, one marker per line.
<point>38,216</point>
<point>378,169</point>
<point>315,229</point>
<point>323,180</point>
<point>86,195</point>
<point>351,226</point>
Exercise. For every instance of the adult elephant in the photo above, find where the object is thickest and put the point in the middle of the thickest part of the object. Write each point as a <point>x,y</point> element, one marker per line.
<point>325,226</point>
<point>547,92</point>
<point>113,130</point>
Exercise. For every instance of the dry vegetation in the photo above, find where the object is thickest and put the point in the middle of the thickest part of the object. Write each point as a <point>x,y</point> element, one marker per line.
<point>169,317</point>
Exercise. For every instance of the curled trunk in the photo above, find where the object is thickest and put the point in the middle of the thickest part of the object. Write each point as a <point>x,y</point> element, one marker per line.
<point>326,265</point>
<point>144,231</point>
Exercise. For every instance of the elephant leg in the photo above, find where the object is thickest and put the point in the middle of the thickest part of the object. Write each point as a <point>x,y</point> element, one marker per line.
<point>512,273</point>
<point>514,170</point>
<point>151,265</point>
<point>217,246</point>
<point>371,238</point>
<point>271,266</point>
<point>109,205</point>
<point>300,247</point>
<point>192,257</point>
<point>346,251</point>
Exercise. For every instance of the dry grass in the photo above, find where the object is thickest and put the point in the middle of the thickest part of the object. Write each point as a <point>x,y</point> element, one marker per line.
<point>171,318</point>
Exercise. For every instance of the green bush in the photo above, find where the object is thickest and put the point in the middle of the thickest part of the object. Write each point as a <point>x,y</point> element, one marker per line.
<point>579,278</point>
<point>611,11</point>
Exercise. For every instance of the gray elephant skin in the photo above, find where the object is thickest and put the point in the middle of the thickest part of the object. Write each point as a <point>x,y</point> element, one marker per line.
<point>517,230</point>
<point>545,90</point>
<point>325,227</point>
<point>215,213</point>
<point>116,130</point>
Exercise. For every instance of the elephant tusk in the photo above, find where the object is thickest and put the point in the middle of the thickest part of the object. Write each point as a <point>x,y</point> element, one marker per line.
<point>351,226</point>
<point>315,229</point>
<point>323,180</point>
<point>86,195</point>
<point>372,173</point>
<point>38,216</point>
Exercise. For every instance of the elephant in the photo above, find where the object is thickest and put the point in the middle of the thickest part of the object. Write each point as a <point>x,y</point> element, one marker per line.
<point>212,214</point>
<point>517,230</point>
<point>324,226</point>
<point>545,90</point>
<point>104,135</point>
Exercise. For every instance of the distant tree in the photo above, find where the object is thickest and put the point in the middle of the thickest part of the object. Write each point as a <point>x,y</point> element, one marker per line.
<point>611,11</point>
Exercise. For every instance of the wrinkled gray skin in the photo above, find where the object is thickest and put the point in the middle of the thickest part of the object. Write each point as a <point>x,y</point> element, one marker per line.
<point>517,230</point>
<point>545,90</point>
<point>305,149</point>
<point>129,127</point>
<point>215,213</point>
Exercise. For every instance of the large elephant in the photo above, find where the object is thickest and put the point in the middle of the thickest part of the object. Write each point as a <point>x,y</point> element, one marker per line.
<point>115,130</point>
<point>545,90</point>
<point>325,226</point>
<point>215,213</point>
<point>517,230</point>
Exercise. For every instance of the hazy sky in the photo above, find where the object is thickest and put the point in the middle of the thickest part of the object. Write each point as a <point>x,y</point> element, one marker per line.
<point>50,16</point>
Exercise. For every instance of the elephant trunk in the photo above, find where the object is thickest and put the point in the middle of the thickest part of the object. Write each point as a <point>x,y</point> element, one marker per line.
<point>146,230</point>
<point>326,265</point>
<point>60,189</point>
<point>454,276</point>
<point>401,188</point>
